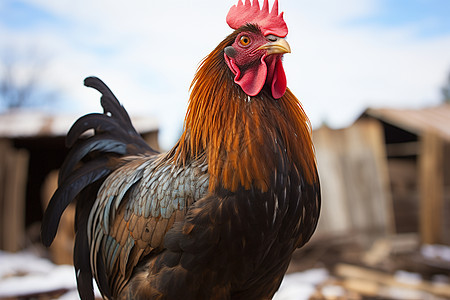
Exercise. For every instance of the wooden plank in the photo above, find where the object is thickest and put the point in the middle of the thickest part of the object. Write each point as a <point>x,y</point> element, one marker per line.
<point>403,149</point>
<point>335,217</point>
<point>3,225</point>
<point>431,186</point>
<point>405,194</point>
<point>354,180</point>
<point>15,170</point>
<point>373,276</point>
<point>368,171</point>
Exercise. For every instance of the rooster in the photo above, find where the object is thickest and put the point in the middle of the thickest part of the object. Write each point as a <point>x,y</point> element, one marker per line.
<point>220,214</point>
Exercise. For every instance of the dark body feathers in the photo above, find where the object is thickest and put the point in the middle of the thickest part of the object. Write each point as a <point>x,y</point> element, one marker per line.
<point>216,217</point>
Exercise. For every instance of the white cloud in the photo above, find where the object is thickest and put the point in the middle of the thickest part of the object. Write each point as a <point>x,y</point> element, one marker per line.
<point>151,49</point>
<point>338,70</point>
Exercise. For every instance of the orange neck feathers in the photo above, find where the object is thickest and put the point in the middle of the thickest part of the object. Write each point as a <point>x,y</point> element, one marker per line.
<point>240,136</point>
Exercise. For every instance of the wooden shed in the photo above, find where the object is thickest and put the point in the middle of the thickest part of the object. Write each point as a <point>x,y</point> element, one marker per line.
<point>418,158</point>
<point>31,148</point>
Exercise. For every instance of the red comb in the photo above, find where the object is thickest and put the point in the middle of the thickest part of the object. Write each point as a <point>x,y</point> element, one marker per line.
<point>269,22</point>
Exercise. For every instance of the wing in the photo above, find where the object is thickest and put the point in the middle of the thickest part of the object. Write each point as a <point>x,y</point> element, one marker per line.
<point>135,207</point>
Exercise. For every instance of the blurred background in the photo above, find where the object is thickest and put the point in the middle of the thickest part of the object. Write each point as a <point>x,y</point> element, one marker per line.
<point>372,75</point>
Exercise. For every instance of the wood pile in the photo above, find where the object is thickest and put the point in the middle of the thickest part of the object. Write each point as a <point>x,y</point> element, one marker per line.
<point>393,268</point>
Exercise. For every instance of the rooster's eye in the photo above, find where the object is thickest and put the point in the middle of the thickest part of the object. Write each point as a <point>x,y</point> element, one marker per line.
<point>244,41</point>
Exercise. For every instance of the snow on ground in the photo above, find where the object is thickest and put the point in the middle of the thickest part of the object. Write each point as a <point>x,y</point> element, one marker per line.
<point>301,286</point>
<point>436,252</point>
<point>25,273</point>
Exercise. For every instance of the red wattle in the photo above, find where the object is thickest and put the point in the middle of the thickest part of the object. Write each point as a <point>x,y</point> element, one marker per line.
<point>253,79</point>
<point>279,82</point>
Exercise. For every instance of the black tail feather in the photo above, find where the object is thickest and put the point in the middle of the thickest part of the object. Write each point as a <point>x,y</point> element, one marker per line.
<point>110,103</point>
<point>102,278</point>
<point>113,126</point>
<point>90,157</point>
<point>66,192</point>
<point>104,144</point>
<point>99,122</point>
<point>113,109</point>
<point>81,259</point>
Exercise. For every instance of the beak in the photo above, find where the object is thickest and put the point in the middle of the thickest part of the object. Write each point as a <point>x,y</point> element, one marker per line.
<point>280,46</point>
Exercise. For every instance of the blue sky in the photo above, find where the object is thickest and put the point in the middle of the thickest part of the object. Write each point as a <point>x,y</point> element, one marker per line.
<point>432,15</point>
<point>347,55</point>
<point>22,16</point>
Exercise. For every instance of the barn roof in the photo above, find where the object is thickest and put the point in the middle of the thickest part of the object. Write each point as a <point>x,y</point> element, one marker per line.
<point>417,121</point>
<point>28,124</point>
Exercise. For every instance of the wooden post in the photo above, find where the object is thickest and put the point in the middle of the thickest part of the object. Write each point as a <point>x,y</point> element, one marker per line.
<point>13,170</point>
<point>431,185</point>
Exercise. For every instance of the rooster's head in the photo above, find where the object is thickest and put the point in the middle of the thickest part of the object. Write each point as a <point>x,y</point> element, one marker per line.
<point>255,55</point>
